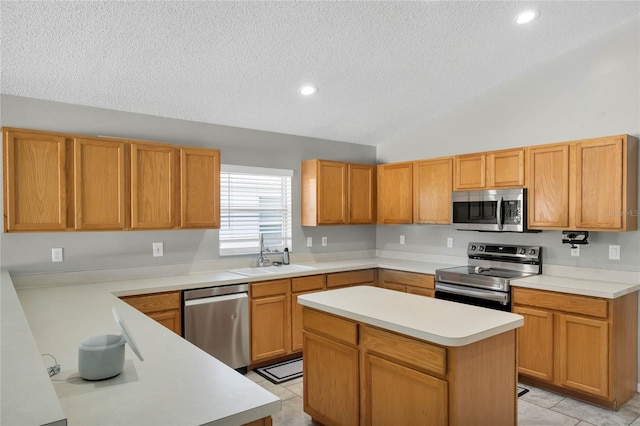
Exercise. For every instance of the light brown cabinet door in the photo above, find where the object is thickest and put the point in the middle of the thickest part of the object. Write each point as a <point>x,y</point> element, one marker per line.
<point>535,343</point>
<point>506,168</point>
<point>170,319</point>
<point>332,193</point>
<point>153,186</point>
<point>548,186</point>
<point>165,308</point>
<point>331,381</point>
<point>99,187</point>
<point>398,395</point>
<point>583,354</point>
<point>35,182</point>
<point>470,172</point>
<point>432,186</point>
<point>199,188</point>
<point>599,184</point>
<point>296,322</point>
<point>270,327</point>
<point>362,193</point>
<point>395,193</point>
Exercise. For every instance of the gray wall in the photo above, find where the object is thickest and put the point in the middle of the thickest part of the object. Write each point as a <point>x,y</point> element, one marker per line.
<point>590,92</point>
<point>31,252</point>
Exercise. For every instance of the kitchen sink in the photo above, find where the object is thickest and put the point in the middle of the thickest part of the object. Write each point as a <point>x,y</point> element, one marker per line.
<point>267,270</point>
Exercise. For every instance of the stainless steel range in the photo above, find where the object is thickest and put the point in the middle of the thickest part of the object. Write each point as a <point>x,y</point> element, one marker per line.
<point>485,281</point>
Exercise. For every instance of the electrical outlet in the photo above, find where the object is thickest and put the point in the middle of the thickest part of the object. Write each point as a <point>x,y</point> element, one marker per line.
<point>158,249</point>
<point>324,241</point>
<point>401,239</point>
<point>57,255</point>
<point>614,252</point>
<point>309,241</point>
<point>575,251</point>
<point>449,242</point>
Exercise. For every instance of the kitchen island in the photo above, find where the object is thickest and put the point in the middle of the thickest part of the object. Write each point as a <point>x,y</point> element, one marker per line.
<point>376,356</point>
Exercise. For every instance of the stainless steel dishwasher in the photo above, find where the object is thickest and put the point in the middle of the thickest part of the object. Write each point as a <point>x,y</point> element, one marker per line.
<point>216,319</point>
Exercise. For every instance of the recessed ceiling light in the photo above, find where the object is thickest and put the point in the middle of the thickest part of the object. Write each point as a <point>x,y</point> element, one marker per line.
<point>308,90</point>
<point>527,16</point>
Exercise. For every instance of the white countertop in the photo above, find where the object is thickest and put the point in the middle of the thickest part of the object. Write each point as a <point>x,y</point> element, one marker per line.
<point>433,320</point>
<point>169,386</point>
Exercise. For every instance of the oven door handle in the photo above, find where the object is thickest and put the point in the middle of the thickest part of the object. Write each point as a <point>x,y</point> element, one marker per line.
<point>499,214</point>
<point>480,294</point>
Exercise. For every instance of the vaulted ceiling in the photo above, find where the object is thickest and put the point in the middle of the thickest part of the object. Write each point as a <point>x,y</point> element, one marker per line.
<point>379,66</point>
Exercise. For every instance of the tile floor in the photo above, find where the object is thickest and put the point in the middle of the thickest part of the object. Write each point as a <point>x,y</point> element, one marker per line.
<point>535,408</point>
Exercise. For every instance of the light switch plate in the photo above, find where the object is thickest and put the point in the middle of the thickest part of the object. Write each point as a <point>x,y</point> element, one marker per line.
<point>449,242</point>
<point>309,241</point>
<point>324,241</point>
<point>575,251</point>
<point>401,239</point>
<point>614,252</point>
<point>57,255</point>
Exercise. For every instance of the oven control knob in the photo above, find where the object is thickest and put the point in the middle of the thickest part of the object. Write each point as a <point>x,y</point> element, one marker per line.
<point>473,248</point>
<point>532,251</point>
<point>481,248</point>
<point>522,251</point>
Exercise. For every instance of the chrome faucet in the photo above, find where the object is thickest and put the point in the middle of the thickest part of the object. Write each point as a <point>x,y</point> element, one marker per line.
<point>262,260</point>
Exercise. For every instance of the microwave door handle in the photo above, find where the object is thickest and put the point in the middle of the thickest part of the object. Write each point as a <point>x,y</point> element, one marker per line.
<point>499,214</point>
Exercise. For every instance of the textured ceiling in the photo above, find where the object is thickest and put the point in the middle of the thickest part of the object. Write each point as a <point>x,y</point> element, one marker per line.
<point>380,66</point>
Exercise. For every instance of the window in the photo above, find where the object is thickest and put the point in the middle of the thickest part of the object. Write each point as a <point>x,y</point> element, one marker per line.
<point>254,201</point>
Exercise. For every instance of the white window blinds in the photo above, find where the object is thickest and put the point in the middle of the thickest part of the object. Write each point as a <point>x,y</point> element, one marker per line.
<point>254,201</point>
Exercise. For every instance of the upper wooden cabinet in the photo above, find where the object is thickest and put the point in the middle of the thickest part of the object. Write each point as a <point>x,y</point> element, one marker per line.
<point>590,184</point>
<point>362,193</point>
<point>548,190</point>
<point>336,193</point>
<point>99,184</point>
<point>495,169</point>
<point>395,193</point>
<point>606,187</point>
<point>63,182</point>
<point>153,186</point>
<point>35,181</point>
<point>432,185</point>
<point>200,188</point>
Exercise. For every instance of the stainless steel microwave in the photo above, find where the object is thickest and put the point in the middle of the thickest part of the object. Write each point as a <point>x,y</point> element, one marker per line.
<point>499,210</point>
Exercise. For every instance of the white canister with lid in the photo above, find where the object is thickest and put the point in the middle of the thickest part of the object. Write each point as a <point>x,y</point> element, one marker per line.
<point>101,357</point>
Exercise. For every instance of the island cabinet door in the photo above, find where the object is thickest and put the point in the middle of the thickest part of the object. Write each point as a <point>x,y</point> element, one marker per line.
<point>535,343</point>
<point>397,395</point>
<point>584,354</point>
<point>331,381</point>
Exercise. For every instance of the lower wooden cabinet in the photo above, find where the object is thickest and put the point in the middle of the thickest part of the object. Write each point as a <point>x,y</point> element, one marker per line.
<point>162,307</point>
<point>270,319</point>
<point>331,386</point>
<point>391,391</point>
<point>300,286</point>
<point>408,282</point>
<point>579,345</point>
<point>351,278</point>
<point>357,374</point>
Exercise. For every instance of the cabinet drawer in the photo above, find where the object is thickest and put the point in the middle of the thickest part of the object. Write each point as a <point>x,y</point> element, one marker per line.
<point>338,279</point>
<point>408,278</point>
<point>583,305</point>
<point>405,350</point>
<point>154,302</point>
<point>314,282</point>
<point>330,326</point>
<point>270,288</point>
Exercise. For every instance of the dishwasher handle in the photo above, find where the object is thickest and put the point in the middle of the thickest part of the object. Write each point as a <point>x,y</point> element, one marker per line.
<point>215,299</point>
<point>215,291</point>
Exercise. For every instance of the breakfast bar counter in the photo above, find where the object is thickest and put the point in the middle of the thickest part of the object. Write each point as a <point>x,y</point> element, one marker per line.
<point>377,356</point>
